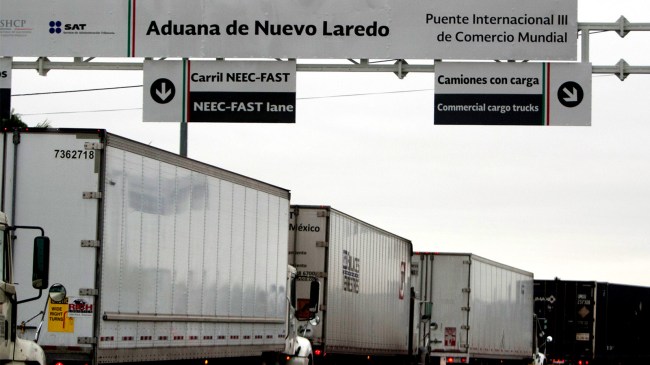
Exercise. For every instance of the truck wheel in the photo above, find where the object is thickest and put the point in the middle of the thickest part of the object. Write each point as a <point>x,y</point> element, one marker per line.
<point>269,360</point>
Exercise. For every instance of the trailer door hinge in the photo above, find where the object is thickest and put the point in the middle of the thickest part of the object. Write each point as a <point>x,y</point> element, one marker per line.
<point>90,243</point>
<point>465,345</point>
<point>467,262</point>
<point>86,340</point>
<point>465,309</point>
<point>94,146</point>
<point>465,327</point>
<point>467,290</point>
<point>88,291</point>
<point>322,213</point>
<point>322,244</point>
<point>92,195</point>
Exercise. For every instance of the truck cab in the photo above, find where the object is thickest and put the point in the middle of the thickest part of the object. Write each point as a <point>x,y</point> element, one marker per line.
<point>298,349</point>
<point>15,350</point>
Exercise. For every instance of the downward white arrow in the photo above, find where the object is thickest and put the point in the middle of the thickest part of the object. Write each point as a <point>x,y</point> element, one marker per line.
<point>572,95</point>
<point>164,93</point>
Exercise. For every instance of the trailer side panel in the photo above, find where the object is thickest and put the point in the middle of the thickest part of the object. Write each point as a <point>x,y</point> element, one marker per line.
<point>472,307</point>
<point>366,281</point>
<point>163,257</point>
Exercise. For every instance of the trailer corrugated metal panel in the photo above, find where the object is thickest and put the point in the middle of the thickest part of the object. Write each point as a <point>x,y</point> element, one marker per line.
<point>624,318</point>
<point>591,320</point>
<point>192,258</point>
<point>567,309</point>
<point>366,277</point>
<point>473,306</point>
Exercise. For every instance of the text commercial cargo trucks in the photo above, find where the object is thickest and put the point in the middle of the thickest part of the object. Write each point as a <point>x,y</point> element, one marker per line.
<point>161,257</point>
<point>593,323</point>
<point>365,281</point>
<point>471,310</point>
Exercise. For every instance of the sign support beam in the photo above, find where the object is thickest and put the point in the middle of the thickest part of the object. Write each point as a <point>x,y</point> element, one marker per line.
<point>399,67</point>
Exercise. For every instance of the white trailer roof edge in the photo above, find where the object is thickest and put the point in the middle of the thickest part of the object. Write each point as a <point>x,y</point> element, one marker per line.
<point>329,208</point>
<point>126,144</point>
<point>478,258</point>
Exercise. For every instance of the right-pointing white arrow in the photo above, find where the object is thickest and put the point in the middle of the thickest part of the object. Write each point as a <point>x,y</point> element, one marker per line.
<point>164,93</point>
<point>572,95</point>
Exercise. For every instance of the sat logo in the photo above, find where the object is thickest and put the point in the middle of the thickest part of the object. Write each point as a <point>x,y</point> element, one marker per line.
<point>55,26</point>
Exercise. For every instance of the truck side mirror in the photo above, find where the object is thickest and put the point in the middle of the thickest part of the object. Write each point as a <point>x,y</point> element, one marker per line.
<point>41,263</point>
<point>314,296</point>
<point>57,293</point>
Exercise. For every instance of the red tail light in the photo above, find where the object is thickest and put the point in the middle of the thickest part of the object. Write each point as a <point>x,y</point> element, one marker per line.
<point>318,352</point>
<point>450,360</point>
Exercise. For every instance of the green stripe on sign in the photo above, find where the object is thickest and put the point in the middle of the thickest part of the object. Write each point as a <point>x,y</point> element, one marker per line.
<point>183,108</point>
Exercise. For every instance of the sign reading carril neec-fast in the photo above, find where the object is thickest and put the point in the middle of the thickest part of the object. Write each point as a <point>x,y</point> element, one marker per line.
<point>421,29</point>
<point>219,91</point>
<point>512,93</point>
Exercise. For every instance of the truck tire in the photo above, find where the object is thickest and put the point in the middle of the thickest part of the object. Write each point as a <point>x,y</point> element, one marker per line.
<point>270,359</point>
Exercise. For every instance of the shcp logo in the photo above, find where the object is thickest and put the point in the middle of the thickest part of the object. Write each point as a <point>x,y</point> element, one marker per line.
<point>55,27</point>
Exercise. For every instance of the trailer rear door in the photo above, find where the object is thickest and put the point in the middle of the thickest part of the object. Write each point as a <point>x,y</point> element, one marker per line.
<point>54,186</point>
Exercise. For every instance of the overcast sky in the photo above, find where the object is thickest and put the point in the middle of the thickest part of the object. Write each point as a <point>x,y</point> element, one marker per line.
<point>568,202</point>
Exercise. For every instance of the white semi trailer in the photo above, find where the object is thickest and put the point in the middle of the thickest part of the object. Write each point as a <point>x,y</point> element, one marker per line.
<point>471,310</point>
<point>364,271</point>
<point>155,256</point>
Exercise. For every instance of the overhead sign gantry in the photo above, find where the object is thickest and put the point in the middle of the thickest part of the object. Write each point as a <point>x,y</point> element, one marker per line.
<point>421,29</point>
<point>375,30</point>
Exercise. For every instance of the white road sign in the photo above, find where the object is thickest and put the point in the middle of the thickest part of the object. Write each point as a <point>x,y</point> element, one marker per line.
<point>220,91</point>
<point>509,93</point>
<point>421,29</point>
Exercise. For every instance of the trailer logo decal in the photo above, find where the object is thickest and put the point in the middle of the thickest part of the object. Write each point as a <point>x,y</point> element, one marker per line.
<point>80,307</point>
<point>351,269</point>
<point>303,228</point>
<point>450,336</point>
<point>551,299</point>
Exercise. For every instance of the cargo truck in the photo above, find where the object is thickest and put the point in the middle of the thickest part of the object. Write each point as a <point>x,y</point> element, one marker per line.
<point>471,310</point>
<point>155,257</point>
<point>364,271</point>
<point>593,323</point>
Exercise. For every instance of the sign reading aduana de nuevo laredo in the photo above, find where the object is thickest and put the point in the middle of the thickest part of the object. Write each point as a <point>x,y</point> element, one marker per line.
<point>416,29</point>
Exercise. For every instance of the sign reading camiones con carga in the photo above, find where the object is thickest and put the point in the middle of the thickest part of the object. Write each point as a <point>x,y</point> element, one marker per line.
<point>417,29</point>
<point>512,93</point>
